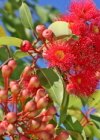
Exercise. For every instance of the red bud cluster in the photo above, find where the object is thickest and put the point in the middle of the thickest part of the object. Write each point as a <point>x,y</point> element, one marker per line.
<point>27,107</point>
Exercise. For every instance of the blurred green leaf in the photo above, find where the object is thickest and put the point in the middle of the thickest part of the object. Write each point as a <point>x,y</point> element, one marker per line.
<point>10,41</point>
<point>52,81</point>
<point>1,114</point>
<point>42,13</point>
<point>19,54</point>
<point>26,16</point>
<point>74,126</point>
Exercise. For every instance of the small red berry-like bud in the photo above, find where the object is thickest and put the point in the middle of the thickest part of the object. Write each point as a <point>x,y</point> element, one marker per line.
<point>12,83</point>
<point>44,135</point>
<point>26,46</point>
<point>23,138</point>
<point>97,75</point>
<point>12,64</point>
<point>50,128</point>
<point>35,124</point>
<point>11,129</point>
<point>3,95</point>
<point>42,103</point>
<point>27,71</point>
<point>4,124</point>
<point>34,82</point>
<point>11,117</point>
<point>51,111</point>
<point>42,126</point>
<point>47,34</point>
<point>2,129</point>
<point>40,29</point>
<point>25,94</point>
<point>6,71</point>
<point>70,88</point>
<point>15,88</point>
<point>30,106</point>
<point>47,118</point>
<point>62,136</point>
<point>39,94</point>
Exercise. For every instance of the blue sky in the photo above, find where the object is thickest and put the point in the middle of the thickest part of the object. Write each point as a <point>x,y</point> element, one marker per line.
<point>62,5</point>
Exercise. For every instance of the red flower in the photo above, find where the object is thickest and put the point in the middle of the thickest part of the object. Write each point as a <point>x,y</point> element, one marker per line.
<point>84,9</point>
<point>83,84</point>
<point>59,54</point>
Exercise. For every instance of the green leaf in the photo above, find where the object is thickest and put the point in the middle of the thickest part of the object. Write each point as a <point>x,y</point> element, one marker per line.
<point>2,31</point>
<point>96,118</point>
<point>42,13</point>
<point>94,99</point>
<point>64,107</point>
<point>73,126</point>
<point>10,41</point>
<point>60,28</point>
<point>76,135</point>
<point>1,115</point>
<point>52,81</point>
<point>19,54</point>
<point>26,16</point>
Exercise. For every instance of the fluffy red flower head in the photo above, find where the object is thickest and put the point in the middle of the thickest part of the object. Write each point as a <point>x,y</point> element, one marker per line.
<point>84,9</point>
<point>83,84</point>
<point>59,55</point>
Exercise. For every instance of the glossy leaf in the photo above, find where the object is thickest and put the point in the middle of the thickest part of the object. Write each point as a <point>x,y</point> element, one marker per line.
<point>52,81</point>
<point>19,54</point>
<point>42,13</point>
<point>2,31</point>
<point>26,16</point>
<point>60,28</point>
<point>94,99</point>
<point>10,41</point>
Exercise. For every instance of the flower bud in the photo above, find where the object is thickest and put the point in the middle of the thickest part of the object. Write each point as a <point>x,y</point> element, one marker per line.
<point>51,111</point>
<point>35,124</point>
<point>15,89</point>
<point>11,129</point>
<point>12,83</point>
<point>6,71</point>
<point>39,94</point>
<point>25,93</point>
<point>2,129</point>
<point>23,138</point>
<point>44,135</point>
<point>62,136</point>
<point>12,64</point>
<point>50,128</point>
<point>34,82</point>
<point>26,46</point>
<point>11,117</point>
<point>47,34</point>
<point>27,71</point>
<point>3,95</point>
<point>40,29</point>
<point>30,106</point>
<point>47,118</point>
<point>42,103</point>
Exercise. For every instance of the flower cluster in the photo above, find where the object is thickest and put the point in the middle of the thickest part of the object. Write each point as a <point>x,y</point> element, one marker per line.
<point>78,59</point>
<point>26,106</point>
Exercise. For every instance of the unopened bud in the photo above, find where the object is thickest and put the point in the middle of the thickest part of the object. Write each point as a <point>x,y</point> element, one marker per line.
<point>30,106</point>
<point>34,82</point>
<point>62,136</point>
<point>42,103</point>
<point>3,95</point>
<point>12,64</point>
<point>51,111</point>
<point>27,71</point>
<point>39,94</point>
<point>6,71</point>
<point>50,128</point>
<point>44,135</point>
<point>35,124</point>
<point>11,117</point>
<point>40,29</point>
<point>11,129</point>
<point>26,46</point>
<point>47,34</point>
